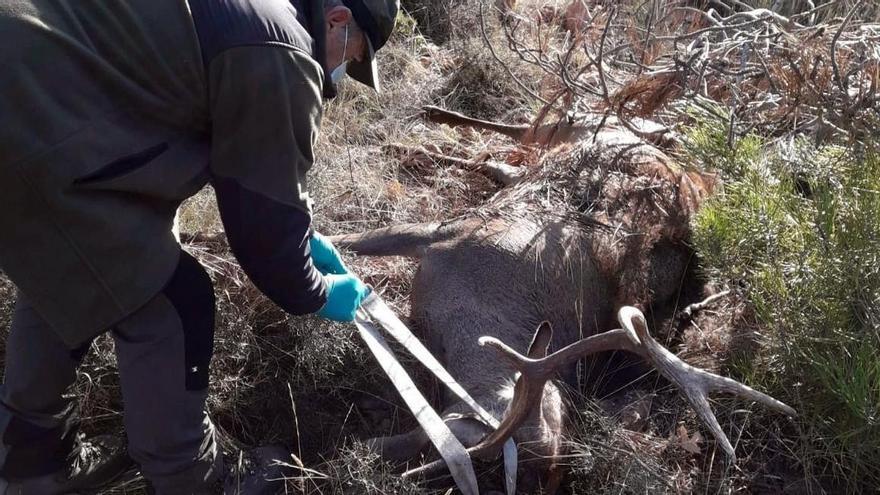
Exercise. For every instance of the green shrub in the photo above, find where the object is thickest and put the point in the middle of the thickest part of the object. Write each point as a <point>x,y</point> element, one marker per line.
<point>798,229</point>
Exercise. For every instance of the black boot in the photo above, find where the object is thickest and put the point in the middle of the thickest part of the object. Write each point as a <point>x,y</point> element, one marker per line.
<point>93,464</point>
<point>259,472</point>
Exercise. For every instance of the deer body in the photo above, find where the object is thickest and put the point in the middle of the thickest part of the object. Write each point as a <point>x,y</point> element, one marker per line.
<point>501,279</point>
<point>591,229</point>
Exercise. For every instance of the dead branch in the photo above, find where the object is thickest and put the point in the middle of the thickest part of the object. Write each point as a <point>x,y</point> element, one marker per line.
<point>775,75</point>
<point>689,312</point>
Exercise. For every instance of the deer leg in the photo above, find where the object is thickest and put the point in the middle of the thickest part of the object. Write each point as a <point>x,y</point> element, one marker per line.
<point>501,172</point>
<point>454,119</point>
<point>409,445</point>
<point>468,431</point>
<point>398,240</point>
<point>400,448</point>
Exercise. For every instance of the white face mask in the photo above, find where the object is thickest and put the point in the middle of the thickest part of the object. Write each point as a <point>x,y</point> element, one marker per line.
<point>340,71</point>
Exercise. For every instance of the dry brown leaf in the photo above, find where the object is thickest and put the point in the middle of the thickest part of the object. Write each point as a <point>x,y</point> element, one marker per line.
<point>690,443</point>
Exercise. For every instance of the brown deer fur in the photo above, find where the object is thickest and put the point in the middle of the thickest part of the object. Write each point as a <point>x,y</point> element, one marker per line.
<point>596,225</point>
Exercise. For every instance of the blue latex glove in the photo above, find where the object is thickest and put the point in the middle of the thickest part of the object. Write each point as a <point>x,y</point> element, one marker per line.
<point>325,256</point>
<point>344,295</point>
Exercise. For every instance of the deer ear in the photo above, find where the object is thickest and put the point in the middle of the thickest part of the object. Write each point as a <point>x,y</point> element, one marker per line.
<point>541,341</point>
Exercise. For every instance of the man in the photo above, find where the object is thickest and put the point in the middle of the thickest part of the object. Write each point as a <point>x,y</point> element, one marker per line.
<point>114,112</point>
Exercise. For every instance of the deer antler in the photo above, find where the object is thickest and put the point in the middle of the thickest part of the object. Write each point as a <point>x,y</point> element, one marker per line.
<point>633,337</point>
<point>536,369</point>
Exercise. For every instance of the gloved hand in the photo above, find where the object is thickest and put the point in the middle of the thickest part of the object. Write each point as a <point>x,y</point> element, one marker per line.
<point>344,295</point>
<point>325,256</point>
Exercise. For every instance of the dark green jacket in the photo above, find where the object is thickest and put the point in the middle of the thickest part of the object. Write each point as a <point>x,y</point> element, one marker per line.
<point>115,111</point>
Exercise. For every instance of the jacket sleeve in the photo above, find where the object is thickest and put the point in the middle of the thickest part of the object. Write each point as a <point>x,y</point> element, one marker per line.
<point>266,108</point>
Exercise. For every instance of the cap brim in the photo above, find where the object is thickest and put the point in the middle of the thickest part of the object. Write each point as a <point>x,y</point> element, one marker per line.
<point>366,72</point>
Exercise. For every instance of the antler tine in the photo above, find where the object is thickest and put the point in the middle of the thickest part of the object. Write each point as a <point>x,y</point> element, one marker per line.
<point>725,384</point>
<point>537,349</point>
<point>700,402</point>
<point>528,391</point>
<point>515,359</point>
<point>694,382</point>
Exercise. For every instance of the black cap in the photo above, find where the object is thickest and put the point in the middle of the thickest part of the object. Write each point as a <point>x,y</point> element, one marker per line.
<point>376,19</point>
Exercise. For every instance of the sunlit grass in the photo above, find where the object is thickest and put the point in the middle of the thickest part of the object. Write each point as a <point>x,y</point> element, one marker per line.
<point>798,230</point>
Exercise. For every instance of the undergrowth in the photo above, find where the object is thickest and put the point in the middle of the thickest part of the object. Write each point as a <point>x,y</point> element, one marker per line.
<point>606,458</point>
<point>797,231</point>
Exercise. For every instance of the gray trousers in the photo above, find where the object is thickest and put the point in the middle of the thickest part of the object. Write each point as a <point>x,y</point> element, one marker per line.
<point>163,351</point>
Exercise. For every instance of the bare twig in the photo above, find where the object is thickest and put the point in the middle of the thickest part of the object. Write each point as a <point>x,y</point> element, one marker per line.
<point>688,312</point>
<point>841,82</point>
<point>507,69</point>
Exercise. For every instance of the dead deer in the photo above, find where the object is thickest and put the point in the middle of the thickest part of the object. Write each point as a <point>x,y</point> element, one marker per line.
<point>593,228</point>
